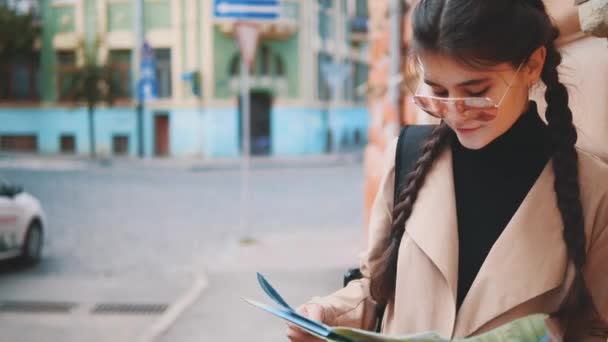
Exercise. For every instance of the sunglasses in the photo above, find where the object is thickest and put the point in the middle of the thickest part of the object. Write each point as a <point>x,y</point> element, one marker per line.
<point>473,108</point>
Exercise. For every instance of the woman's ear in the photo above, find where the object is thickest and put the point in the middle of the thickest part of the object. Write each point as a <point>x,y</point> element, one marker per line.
<point>535,64</point>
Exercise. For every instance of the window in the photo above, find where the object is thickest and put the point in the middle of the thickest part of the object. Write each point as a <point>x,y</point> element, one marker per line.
<point>361,8</point>
<point>325,4</point>
<point>163,72</point>
<point>325,25</point>
<point>67,143</point>
<point>361,71</point>
<point>120,145</point>
<point>280,66</point>
<point>19,143</point>
<point>323,91</point>
<point>235,65</point>
<point>271,64</point>
<point>120,63</point>
<point>265,56</point>
<point>21,79</point>
<point>66,65</point>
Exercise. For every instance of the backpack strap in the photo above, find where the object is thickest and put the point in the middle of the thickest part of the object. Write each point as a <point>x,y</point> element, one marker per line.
<point>409,148</point>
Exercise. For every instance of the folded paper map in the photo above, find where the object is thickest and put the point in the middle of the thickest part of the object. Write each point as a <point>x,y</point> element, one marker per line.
<point>527,329</point>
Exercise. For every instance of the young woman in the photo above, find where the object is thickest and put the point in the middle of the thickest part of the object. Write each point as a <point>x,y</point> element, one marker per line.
<point>502,216</point>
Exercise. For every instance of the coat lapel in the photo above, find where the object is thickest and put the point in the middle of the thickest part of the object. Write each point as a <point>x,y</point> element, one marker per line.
<point>433,224</point>
<point>528,259</point>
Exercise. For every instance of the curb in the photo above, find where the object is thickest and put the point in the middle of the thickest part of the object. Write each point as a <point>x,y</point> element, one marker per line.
<point>166,321</point>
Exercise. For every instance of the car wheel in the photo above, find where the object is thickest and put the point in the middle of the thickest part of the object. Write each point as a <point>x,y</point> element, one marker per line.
<point>31,252</point>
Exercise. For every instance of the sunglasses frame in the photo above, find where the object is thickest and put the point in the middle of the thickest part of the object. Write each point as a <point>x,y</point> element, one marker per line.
<point>451,100</point>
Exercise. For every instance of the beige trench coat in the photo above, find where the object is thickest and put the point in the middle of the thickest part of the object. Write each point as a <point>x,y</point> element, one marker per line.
<point>526,271</point>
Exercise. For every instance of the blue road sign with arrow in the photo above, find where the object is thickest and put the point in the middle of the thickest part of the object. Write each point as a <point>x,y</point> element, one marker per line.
<point>247,9</point>
<point>147,88</point>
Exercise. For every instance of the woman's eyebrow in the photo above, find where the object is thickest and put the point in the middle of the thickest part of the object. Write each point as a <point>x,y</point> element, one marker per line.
<point>472,82</point>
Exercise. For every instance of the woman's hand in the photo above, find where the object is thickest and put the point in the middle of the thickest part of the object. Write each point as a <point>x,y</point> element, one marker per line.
<point>312,311</point>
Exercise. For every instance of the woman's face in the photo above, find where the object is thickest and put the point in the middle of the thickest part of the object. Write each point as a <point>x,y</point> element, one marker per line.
<point>443,76</point>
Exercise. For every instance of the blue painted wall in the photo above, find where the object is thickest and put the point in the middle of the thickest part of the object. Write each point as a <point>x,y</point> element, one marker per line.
<point>297,132</point>
<point>50,124</point>
<point>220,133</point>
<point>345,124</point>
<point>209,133</point>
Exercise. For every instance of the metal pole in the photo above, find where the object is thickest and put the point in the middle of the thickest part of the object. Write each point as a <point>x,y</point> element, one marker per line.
<point>245,145</point>
<point>326,102</point>
<point>137,52</point>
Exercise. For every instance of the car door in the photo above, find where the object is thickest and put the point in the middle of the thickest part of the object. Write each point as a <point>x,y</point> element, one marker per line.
<point>8,221</point>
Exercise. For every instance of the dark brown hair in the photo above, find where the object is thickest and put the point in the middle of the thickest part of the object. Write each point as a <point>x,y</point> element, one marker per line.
<point>481,33</point>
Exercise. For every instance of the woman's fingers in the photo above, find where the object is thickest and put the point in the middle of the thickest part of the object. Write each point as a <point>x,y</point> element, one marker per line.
<point>312,311</point>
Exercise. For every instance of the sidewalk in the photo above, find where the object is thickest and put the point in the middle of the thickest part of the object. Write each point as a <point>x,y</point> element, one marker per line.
<point>59,308</point>
<point>299,266</point>
<point>67,162</point>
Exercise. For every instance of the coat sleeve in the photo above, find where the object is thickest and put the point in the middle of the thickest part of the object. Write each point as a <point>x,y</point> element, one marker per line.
<point>596,271</point>
<point>353,306</point>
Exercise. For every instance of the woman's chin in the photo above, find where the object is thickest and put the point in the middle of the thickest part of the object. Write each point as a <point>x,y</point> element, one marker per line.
<point>472,140</point>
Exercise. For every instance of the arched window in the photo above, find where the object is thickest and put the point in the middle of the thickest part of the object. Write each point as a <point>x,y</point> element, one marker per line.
<point>235,65</point>
<point>265,59</point>
<point>279,65</point>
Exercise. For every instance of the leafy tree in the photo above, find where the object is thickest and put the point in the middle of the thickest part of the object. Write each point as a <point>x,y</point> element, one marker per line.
<point>93,84</point>
<point>18,33</point>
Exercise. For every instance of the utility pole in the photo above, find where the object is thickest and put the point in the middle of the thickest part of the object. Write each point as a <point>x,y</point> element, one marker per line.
<point>137,56</point>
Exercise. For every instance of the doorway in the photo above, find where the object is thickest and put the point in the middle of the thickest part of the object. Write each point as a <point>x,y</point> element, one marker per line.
<point>261,106</point>
<point>161,135</point>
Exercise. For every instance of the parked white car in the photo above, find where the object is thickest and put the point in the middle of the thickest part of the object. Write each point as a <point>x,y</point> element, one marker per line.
<point>22,224</point>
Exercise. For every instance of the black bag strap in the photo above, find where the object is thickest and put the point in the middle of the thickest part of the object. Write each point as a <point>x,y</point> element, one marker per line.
<point>409,148</point>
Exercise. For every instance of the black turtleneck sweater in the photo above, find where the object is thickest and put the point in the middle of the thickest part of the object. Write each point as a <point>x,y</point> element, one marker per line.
<point>490,185</point>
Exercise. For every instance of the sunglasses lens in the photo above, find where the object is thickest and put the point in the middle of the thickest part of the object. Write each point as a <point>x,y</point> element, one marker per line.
<point>478,109</point>
<point>485,115</point>
<point>431,106</point>
<point>478,102</point>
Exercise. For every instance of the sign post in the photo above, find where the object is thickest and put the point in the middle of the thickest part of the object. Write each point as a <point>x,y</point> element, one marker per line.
<point>147,89</point>
<point>248,35</point>
<point>335,74</point>
<point>247,13</point>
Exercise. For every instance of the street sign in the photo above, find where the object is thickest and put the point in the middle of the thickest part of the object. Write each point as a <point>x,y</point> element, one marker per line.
<point>147,87</point>
<point>248,36</point>
<point>335,74</point>
<point>247,9</point>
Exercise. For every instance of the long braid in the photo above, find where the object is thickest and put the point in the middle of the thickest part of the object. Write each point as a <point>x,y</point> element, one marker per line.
<point>384,276</point>
<point>577,313</point>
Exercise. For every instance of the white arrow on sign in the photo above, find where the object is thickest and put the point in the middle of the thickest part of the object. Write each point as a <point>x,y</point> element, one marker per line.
<point>335,73</point>
<point>226,8</point>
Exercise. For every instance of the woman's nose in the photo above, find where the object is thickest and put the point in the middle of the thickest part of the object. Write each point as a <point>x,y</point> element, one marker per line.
<point>455,111</point>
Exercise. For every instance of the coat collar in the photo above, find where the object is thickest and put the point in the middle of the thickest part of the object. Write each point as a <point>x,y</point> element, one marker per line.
<point>528,259</point>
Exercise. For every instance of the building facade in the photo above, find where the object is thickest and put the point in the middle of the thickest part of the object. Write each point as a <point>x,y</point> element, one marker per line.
<point>196,113</point>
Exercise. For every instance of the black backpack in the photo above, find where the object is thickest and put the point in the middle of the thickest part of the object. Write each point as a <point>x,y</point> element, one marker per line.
<point>409,147</point>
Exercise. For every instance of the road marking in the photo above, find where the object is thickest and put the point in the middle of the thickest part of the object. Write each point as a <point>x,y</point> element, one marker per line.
<point>164,323</point>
